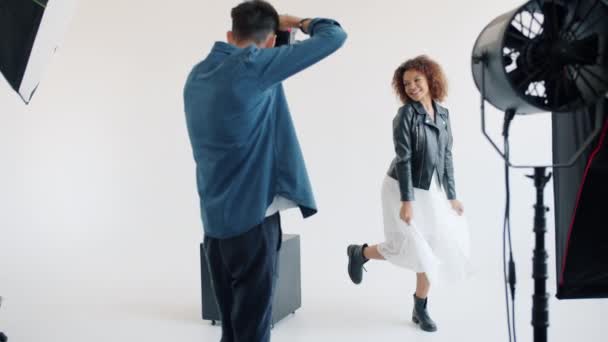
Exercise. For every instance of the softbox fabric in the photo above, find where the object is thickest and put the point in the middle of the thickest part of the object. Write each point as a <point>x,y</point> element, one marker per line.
<point>19,21</point>
<point>581,205</point>
<point>30,31</point>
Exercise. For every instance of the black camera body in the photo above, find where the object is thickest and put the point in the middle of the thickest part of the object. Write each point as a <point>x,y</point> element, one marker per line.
<point>285,37</point>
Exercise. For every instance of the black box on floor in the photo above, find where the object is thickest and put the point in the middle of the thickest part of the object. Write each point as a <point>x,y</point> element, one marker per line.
<point>288,293</point>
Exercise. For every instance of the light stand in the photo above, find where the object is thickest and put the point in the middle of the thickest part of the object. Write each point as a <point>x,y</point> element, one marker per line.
<point>3,337</point>
<point>540,298</point>
<point>544,56</point>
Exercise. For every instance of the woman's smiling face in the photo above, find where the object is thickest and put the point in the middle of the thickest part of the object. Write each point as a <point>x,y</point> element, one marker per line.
<point>416,85</point>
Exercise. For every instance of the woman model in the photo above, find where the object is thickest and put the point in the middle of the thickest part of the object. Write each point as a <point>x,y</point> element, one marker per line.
<point>423,223</point>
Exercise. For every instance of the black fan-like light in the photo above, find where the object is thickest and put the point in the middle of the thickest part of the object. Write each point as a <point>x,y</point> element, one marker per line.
<point>544,56</point>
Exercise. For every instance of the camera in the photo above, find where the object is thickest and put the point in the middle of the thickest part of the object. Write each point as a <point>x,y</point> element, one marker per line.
<point>285,37</point>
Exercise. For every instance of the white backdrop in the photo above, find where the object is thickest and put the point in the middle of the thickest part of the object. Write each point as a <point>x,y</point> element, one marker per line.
<point>99,213</point>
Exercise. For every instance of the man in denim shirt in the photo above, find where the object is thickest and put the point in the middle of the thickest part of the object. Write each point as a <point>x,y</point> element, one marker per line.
<point>248,160</point>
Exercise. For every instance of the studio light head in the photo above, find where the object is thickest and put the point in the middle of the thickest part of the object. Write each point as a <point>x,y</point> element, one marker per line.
<point>545,56</point>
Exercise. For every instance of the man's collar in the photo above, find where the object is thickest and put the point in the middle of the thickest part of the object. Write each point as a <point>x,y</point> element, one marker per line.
<point>223,47</point>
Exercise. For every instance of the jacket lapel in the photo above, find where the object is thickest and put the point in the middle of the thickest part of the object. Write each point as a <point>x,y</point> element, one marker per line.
<point>442,119</point>
<point>424,115</point>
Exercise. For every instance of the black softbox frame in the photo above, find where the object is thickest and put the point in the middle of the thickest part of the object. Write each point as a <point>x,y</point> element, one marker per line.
<point>19,23</point>
<point>30,31</point>
<point>581,205</point>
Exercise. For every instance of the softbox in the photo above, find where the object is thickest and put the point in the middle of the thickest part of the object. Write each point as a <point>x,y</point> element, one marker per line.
<point>30,31</point>
<point>581,206</point>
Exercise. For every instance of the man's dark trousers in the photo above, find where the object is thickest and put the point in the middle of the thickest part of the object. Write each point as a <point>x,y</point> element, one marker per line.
<point>243,271</point>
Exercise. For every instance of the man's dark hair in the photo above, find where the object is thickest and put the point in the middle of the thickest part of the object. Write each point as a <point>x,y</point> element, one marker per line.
<point>254,20</point>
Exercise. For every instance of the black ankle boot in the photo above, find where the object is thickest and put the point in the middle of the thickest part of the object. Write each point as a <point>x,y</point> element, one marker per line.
<point>355,262</point>
<point>421,316</point>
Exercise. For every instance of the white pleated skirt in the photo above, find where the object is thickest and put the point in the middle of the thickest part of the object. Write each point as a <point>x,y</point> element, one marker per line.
<point>437,240</point>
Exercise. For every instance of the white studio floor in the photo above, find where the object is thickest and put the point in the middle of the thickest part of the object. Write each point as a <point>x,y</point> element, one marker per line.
<point>149,295</point>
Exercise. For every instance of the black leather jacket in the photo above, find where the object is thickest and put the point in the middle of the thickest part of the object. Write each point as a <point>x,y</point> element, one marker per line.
<point>422,146</point>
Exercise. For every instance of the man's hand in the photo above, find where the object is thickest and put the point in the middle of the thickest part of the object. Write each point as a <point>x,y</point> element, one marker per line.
<point>407,212</point>
<point>289,21</point>
<point>457,206</point>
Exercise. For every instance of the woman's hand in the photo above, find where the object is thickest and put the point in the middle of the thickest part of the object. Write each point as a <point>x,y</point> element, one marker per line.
<point>457,206</point>
<point>406,213</point>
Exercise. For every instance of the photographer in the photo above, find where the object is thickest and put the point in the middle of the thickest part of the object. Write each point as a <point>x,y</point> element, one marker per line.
<point>249,166</point>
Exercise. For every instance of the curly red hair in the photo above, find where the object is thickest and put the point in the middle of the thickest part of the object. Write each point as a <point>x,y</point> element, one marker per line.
<point>438,85</point>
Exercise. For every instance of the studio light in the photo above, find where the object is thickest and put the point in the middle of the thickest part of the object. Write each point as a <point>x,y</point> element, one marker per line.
<point>545,56</point>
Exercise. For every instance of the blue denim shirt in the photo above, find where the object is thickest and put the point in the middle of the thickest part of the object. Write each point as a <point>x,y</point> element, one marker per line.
<point>243,139</point>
